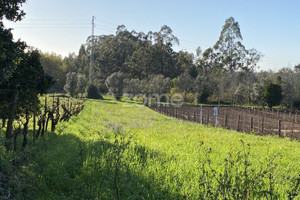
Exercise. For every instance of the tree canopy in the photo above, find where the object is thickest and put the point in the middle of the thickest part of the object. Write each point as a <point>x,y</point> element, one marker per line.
<point>272,95</point>
<point>11,9</point>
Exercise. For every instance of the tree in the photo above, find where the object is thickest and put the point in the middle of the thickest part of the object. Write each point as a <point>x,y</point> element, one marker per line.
<point>229,50</point>
<point>227,56</point>
<point>71,84</point>
<point>115,84</point>
<point>54,66</point>
<point>157,86</point>
<point>184,83</point>
<point>10,50</point>
<point>70,63</point>
<point>256,94</point>
<point>185,63</point>
<point>27,81</point>
<point>288,84</point>
<point>11,9</point>
<point>81,83</point>
<point>10,54</point>
<point>239,94</point>
<point>82,63</point>
<point>153,55</point>
<point>297,68</point>
<point>272,95</point>
<point>111,52</point>
<point>93,92</point>
<point>133,87</point>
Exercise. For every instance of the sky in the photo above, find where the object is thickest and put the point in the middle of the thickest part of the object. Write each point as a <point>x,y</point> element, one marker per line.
<point>270,26</point>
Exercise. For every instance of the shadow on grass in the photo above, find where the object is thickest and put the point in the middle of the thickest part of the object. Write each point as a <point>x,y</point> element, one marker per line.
<point>64,167</point>
<point>109,179</point>
<point>109,101</point>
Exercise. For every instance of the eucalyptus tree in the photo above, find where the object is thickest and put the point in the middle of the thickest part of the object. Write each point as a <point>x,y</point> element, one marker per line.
<point>142,63</point>
<point>229,55</point>
<point>154,55</point>
<point>112,51</point>
<point>82,63</point>
<point>229,50</point>
<point>185,63</point>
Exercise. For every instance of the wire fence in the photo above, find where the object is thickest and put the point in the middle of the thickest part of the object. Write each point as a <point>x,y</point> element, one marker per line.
<point>258,121</point>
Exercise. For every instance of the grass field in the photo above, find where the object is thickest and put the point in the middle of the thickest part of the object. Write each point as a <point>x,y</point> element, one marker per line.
<point>114,150</point>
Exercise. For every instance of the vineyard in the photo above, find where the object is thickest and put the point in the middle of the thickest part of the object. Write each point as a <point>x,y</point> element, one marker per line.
<point>258,121</point>
<point>45,117</point>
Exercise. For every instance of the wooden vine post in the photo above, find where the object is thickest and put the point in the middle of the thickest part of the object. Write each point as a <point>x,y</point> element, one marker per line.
<point>238,123</point>
<point>226,122</point>
<point>279,128</point>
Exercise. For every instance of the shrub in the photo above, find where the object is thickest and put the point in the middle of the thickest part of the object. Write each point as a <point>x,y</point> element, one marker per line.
<point>93,93</point>
<point>272,95</point>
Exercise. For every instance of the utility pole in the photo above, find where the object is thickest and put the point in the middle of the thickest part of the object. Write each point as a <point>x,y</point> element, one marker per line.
<point>91,71</point>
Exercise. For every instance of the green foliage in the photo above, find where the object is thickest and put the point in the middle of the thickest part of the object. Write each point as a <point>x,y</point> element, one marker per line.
<point>229,52</point>
<point>75,83</point>
<point>115,84</point>
<point>238,178</point>
<point>157,84</point>
<point>54,66</point>
<point>81,83</point>
<point>104,154</point>
<point>93,92</point>
<point>29,79</point>
<point>272,94</point>
<point>10,54</point>
<point>71,84</point>
<point>11,9</point>
<point>133,87</point>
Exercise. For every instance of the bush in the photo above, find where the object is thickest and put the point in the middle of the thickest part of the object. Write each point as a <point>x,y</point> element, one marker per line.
<point>115,84</point>
<point>272,95</point>
<point>93,93</point>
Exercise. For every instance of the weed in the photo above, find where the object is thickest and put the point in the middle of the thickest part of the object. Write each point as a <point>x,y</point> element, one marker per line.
<point>237,178</point>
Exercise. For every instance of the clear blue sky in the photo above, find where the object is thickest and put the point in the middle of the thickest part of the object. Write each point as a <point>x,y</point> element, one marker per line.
<point>270,26</point>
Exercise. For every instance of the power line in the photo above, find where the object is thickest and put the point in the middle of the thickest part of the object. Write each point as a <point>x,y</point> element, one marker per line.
<point>110,27</point>
<point>50,27</point>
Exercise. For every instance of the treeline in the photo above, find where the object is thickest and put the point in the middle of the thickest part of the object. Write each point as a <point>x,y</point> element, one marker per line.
<point>132,63</point>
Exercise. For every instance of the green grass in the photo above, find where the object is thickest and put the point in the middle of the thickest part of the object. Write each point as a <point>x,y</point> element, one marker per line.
<point>115,150</point>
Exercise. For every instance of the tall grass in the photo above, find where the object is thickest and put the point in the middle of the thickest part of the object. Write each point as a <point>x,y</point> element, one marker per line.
<point>114,150</point>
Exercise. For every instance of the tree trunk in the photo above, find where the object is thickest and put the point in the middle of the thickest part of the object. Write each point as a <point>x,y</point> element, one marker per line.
<point>34,118</point>
<point>11,117</point>
<point>38,131</point>
<point>43,127</point>
<point>25,130</point>
<point>3,123</point>
<point>16,133</point>
<point>50,116</point>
